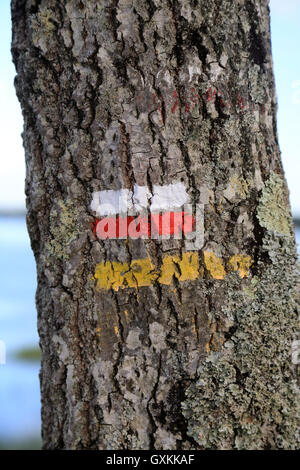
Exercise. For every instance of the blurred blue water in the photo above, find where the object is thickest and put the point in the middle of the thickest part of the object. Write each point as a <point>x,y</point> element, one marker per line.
<point>19,385</point>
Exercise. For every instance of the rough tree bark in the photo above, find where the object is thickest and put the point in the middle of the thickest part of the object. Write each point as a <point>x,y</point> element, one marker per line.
<point>151,92</point>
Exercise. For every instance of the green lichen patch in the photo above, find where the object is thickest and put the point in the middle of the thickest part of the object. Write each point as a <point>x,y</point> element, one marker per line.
<point>258,84</point>
<point>42,24</point>
<point>273,211</point>
<point>64,229</point>
<point>237,188</point>
<point>246,395</point>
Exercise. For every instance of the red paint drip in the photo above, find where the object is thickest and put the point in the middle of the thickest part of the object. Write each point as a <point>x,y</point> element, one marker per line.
<point>210,94</point>
<point>173,109</point>
<point>241,102</point>
<point>195,94</point>
<point>187,108</point>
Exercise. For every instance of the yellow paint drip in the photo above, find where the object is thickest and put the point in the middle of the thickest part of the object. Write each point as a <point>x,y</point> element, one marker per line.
<point>142,273</point>
<point>126,315</point>
<point>240,264</point>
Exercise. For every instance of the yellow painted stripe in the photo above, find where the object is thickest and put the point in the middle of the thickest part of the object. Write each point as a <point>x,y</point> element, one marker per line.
<point>214,265</point>
<point>184,269</point>
<point>141,272</point>
<point>241,264</point>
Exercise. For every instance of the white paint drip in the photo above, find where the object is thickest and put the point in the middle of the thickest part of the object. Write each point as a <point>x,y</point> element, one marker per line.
<point>164,198</point>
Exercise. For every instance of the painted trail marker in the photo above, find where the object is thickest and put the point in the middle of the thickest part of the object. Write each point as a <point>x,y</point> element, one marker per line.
<point>164,212</point>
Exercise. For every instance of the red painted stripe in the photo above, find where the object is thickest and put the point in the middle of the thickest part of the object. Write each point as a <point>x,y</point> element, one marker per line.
<point>168,223</point>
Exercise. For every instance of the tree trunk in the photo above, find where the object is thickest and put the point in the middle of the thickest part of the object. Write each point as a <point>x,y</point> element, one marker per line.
<point>146,344</point>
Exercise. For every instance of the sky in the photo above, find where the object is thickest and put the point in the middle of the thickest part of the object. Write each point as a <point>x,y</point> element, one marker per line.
<point>285,26</point>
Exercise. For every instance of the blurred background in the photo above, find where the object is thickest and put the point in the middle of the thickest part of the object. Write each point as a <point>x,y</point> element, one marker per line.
<point>19,384</point>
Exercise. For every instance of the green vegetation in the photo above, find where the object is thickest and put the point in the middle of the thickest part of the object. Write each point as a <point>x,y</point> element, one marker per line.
<point>33,443</point>
<point>31,354</point>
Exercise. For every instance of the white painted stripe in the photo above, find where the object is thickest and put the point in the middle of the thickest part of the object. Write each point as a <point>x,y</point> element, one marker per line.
<point>112,202</point>
<point>164,198</point>
<point>141,198</point>
<point>169,197</point>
